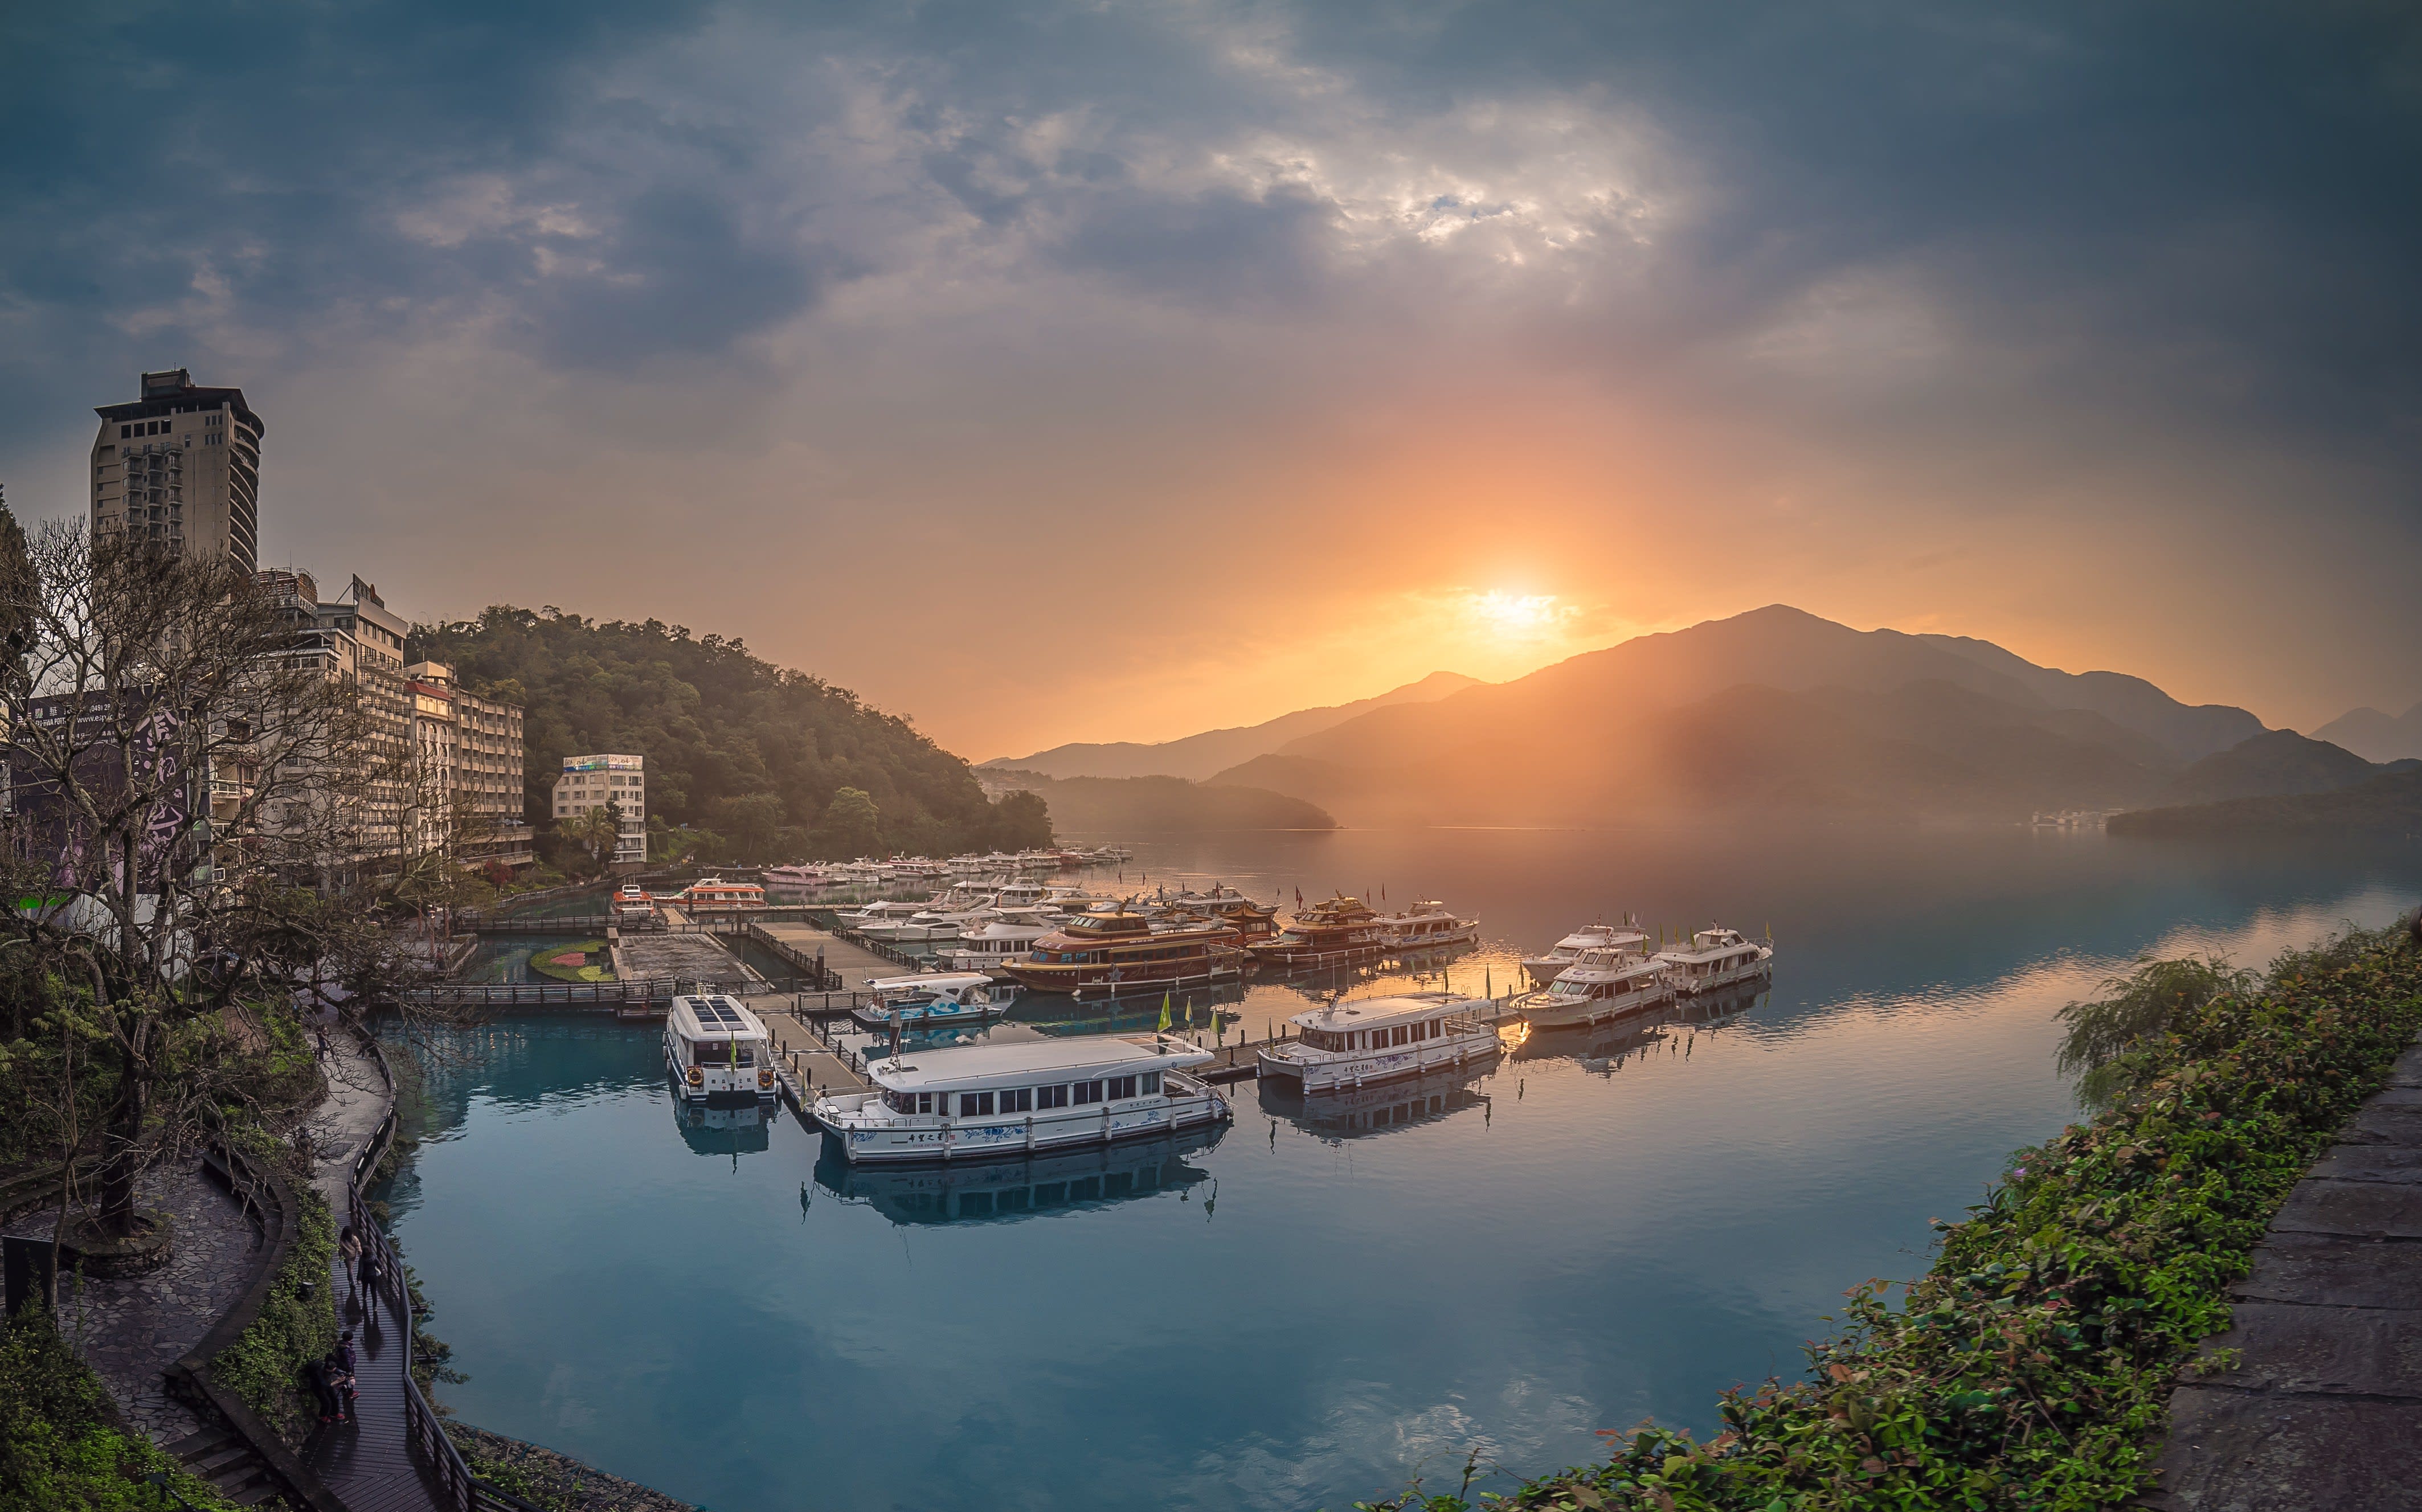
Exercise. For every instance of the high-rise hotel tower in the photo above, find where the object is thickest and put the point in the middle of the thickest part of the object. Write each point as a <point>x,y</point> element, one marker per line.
<point>179,468</point>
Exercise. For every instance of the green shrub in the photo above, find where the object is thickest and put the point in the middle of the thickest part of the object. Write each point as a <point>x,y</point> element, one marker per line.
<point>58,1450</point>
<point>297,1325</point>
<point>2031,1367</point>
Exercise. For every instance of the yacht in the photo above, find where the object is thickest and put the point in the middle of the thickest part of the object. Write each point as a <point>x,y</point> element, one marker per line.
<point>1425,926</point>
<point>1608,982</point>
<point>1016,1097</point>
<point>1352,1044</point>
<point>716,1049</point>
<point>632,907</point>
<point>713,895</point>
<point>1716,957</point>
<point>1009,934</point>
<point>1332,931</point>
<point>796,876</point>
<point>1115,949</point>
<point>901,922</point>
<point>1544,969</point>
<point>934,999</point>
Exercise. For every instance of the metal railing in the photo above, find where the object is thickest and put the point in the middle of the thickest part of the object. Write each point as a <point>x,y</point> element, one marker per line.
<point>643,990</point>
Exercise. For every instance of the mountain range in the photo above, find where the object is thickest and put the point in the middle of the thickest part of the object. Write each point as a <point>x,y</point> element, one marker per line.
<point>1778,710</point>
<point>2376,736</point>
<point>1214,751</point>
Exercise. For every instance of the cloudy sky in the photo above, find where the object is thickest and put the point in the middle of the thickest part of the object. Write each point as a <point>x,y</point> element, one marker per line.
<point>1087,371</point>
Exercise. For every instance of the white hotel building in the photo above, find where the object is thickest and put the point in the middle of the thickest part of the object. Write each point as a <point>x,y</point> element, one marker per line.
<point>594,781</point>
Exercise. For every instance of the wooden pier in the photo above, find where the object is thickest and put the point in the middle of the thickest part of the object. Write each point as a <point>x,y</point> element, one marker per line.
<point>847,962</point>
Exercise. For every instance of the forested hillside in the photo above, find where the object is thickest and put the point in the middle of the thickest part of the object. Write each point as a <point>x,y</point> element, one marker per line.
<point>754,751</point>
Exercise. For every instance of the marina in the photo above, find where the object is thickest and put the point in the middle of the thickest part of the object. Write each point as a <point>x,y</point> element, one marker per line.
<point>1635,1158</point>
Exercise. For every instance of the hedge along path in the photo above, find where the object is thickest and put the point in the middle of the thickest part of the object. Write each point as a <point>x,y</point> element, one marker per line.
<point>2031,1367</point>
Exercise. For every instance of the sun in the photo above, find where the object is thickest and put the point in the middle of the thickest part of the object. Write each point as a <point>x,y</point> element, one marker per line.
<point>1514,616</point>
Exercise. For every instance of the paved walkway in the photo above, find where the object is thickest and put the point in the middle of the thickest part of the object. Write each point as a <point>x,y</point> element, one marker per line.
<point>2324,1407</point>
<point>130,1330</point>
<point>368,1462</point>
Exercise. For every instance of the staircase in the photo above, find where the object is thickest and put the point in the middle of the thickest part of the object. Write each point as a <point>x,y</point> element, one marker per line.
<point>218,1457</point>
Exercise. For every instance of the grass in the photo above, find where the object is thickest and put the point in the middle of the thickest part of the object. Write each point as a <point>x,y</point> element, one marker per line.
<point>2030,1369</point>
<point>59,1450</point>
<point>544,962</point>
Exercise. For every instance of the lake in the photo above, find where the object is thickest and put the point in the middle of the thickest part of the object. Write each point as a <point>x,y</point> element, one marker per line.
<point>1322,1301</point>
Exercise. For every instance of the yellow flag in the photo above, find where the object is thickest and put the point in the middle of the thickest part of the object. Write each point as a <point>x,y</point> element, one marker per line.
<point>1164,1010</point>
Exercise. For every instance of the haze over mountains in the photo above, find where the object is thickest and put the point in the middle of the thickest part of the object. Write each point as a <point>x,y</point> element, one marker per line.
<point>2376,736</point>
<point>1214,750</point>
<point>1777,710</point>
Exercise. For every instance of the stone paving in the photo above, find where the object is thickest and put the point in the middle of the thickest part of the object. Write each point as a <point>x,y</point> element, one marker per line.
<point>2321,1405</point>
<point>131,1331</point>
<point>357,1103</point>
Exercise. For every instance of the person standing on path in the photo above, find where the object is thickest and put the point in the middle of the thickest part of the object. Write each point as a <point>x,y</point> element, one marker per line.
<point>368,1274</point>
<point>348,1247</point>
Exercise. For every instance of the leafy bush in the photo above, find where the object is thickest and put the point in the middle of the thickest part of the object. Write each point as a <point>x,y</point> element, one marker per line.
<point>2030,1368</point>
<point>297,1325</point>
<point>58,1450</point>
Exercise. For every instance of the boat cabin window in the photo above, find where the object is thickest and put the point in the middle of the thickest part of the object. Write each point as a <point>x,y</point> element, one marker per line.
<point>1122,1087</point>
<point>1151,1082</point>
<point>975,1105</point>
<point>1017,1100</point>
<point>909,1102</point>
<point>1087,1092</point>
<point>1051,1096</point>
<point>719,1052</point>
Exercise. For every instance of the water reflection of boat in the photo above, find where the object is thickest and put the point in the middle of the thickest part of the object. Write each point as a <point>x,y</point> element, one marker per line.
<point>710,1128</point>
<point>1604,1046</point>
<point>1352,1114</point>
<point>1020,1188</point>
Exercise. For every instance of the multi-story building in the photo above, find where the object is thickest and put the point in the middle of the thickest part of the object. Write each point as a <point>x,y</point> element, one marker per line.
<point>180,469</point>
<point>592,782</point>
<point>472,747</point>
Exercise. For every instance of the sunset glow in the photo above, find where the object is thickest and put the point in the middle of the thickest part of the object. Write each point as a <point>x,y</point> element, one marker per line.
<point>1518,616</point>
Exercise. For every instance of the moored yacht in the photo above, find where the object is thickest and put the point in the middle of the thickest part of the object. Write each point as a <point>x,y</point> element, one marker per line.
<point>1331,932</point>
<point>1115,949</point>
<point>1545,968</point>
<point>716,1049</point>
<point>1009,934</point>
<point>713,895</point>
<point>934,999</point>
<point>1355,1042</point>
<point>1716,957</point>
<point>1425,926</point>
<point>1608,982</point>
<point>1012,1097</point>
<point>632,907</point>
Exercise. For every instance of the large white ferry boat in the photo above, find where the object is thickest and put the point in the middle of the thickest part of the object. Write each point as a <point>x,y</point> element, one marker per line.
<point>1608,982</point>
<point>1544,969</point>
<point>1716,957</point>
<point>716,1049</point>
<point>1354,1042</point>
<point>934,999</point>
<point>1426,926</point>
<point>1009,1099</point>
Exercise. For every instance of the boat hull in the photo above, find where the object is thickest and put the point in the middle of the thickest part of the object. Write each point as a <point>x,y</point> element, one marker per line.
<point>1717,981</point>
<point>1545,1013</point>
<point>1093,978</point>
<point>922,1017</point>
<point>1011,1138</point>
<point>1318,1072</point>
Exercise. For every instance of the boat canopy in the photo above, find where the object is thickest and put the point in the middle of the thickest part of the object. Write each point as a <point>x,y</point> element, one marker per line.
<point>1023,1063</point>
<point>1382,1013</point>
<point>930,981</point>
<point>714,1016</point>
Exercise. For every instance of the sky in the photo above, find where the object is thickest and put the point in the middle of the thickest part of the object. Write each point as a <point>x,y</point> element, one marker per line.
<point>1053,372</point>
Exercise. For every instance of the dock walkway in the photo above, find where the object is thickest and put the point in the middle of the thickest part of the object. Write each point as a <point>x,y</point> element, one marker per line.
<point>2322,1406</point>
<point>804,944</point>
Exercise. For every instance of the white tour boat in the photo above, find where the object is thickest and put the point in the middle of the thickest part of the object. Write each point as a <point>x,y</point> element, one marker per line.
<point>716,1049</point>
<point>1606,982</point>
<point>1716,957</point>
<point>1008,935</point>
<point>1545,968</point>
<point>1358,1041</point>
<point>1008,1098</point>
<point>934,999</point>
<point>1425,925</point>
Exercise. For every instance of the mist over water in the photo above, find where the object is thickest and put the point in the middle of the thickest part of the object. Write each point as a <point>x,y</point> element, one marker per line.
<point>1321,1302</point>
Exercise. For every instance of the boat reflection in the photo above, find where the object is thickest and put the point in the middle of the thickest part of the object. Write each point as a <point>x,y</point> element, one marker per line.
<point>1065,1182</point>
<point>735,1128</point>
<point>1603,1048</point>
<point>1357,1113</point>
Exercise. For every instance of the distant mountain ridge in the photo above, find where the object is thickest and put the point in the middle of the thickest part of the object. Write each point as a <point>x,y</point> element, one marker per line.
<point>2376,736</point>
<point>2387,805</point>
<point>1199,756</point>
<point>1779,709</point>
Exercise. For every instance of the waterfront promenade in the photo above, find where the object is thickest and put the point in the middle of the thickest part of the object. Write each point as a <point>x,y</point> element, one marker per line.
<point>2320,1409</point>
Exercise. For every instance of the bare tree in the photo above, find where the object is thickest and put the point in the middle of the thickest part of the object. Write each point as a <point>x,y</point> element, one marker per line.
<point>189,782</point>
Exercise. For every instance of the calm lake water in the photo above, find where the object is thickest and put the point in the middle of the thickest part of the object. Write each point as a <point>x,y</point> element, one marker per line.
<point>1318,1303</point>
